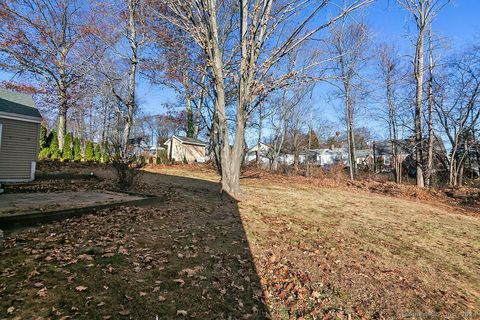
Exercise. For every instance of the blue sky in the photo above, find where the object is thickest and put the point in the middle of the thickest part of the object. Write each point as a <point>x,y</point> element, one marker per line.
<point>459,22</point>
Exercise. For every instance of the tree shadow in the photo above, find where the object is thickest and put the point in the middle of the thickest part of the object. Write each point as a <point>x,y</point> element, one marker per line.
<point>186,255</point>
<point>207,231</point>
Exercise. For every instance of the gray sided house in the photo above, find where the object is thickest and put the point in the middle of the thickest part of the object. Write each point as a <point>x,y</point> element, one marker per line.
<point>19,137</point>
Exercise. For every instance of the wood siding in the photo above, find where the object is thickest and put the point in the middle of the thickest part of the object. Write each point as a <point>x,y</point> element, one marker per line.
<point>181,151</point>
<point>18,148</point>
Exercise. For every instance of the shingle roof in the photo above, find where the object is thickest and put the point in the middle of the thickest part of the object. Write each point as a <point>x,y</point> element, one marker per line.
<point>190,140</point>
<point>18,103</point>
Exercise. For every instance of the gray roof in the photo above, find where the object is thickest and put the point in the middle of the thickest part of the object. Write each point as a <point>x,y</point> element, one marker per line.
<point>18,103</point>
<point>190,140</point>
<point>407,146</point>
<point>363,153</point>
<point>384,148</point>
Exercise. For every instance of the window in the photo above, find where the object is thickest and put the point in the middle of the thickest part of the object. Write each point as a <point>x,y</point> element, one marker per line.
<point>0,137</point>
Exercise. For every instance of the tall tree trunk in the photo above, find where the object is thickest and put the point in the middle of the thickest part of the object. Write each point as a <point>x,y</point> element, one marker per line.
<point>259,137</point>
<point>188,103</point>
<point>396,164</point>
<point>344,68</point>
<point>418,74</point>
<point>198,112</point>
<point>62,119</point>
<point>350,135</point>
<point>428,173</point>
<point>131,103</point>
<point>307,172</point>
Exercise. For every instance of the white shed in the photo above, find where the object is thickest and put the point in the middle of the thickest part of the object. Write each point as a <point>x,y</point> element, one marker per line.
<point>185,149</point>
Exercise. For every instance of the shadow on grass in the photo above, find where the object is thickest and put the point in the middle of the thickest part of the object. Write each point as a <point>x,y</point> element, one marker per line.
<point>186,257</point>
<point>211,221</point>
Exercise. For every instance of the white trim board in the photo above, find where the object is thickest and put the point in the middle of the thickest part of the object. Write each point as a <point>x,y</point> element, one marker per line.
<point>12,116</point>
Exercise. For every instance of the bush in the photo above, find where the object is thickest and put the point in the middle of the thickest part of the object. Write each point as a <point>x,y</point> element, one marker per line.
<point>89,153</point>
<point>106,156</point>
<point>54,147</point>
<point>67,153</point>
<point>44,154</point>
<point>98,153</point>
<point>77,150</point>
<point>162,157</point>
<point>43,137</point>
<point>126,172</point>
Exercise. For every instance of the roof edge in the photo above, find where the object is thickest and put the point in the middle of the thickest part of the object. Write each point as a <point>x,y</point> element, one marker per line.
<point>20,117</point>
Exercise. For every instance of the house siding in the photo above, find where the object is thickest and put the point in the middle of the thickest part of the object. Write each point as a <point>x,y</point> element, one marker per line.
<point>18,148</point>
<point>181,151</point>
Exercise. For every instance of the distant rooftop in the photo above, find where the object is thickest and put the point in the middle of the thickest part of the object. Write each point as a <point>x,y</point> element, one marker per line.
<point>18,103</point>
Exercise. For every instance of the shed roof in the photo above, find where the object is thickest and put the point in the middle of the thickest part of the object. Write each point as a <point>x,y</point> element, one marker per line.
<point>187,140</point>
<point>18,103</point>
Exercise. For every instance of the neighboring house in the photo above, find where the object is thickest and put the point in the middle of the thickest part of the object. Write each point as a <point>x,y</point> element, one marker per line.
<point>383,150</point>
<point>137,146</point>
<point>153,150</point>
<point>265,156</point>
<point>263,150</point>
<point>327,157</point>
<point>185,149</point>
<point>364,157</point>
<point>406,150</point>
<point>19,137</point>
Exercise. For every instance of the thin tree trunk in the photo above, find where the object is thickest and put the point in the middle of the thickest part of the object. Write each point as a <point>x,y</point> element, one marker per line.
<point>188,103</point>
<point>198,112</point>
<point>307,173</point>
<point>350,137</point>
<point>131,103</point>
<point>259,137</point>
<point>392,124</point>
<point>62,118</point>
<point>418,74</point>
<point>428,174</point>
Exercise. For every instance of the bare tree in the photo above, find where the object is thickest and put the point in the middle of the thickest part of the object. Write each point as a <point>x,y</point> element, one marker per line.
<point>423,12</point>
<point>287,122</point>
<point>349,44</point>
<point>430,147</point>
<point>178,64</point>
<point>46,39</point>
<point>239,52</point>
<point>457,107</point>
<point>123,30</point>
<point>389,67</point>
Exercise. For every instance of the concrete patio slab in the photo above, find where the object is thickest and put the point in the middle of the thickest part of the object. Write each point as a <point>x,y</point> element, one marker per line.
<point>23,209</point>
<point>20,203</point>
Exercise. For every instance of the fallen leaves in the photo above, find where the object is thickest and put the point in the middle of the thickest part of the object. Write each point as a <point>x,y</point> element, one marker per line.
<point>96,255</point>
<point>124,312</point>
<point>85,257</point>
<point>42,292</point>
<point>182,313</point>
<point>80,288</point>
<point>181,282</point>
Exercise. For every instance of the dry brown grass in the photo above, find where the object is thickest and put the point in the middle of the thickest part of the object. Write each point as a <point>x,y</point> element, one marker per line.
<point>320,249</point>
<point>380,255</point>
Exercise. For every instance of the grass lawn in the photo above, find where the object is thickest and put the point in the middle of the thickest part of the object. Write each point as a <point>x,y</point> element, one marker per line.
<point>287,251</point>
